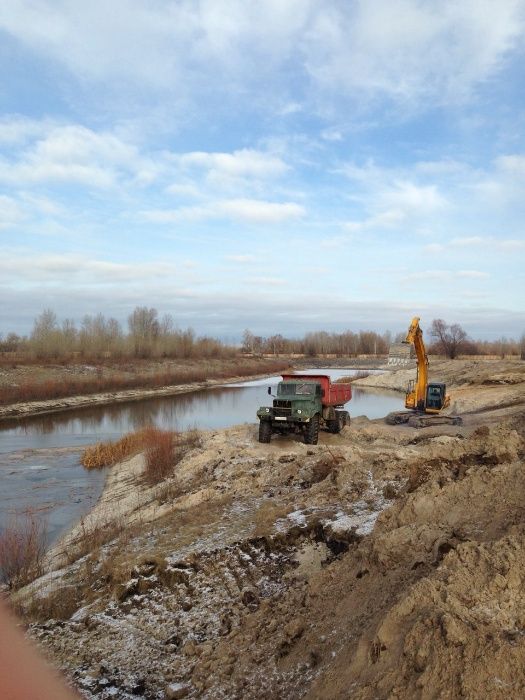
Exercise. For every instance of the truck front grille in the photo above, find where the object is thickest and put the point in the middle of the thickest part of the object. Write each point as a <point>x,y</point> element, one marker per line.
<point>282,407</point>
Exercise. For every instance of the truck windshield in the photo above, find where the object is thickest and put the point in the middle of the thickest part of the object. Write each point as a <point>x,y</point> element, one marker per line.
<point>286,389</point>
<point>295,388</point>
<point>307,388</point>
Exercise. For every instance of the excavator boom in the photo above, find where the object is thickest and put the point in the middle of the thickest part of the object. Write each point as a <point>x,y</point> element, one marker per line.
<point>416,393</point>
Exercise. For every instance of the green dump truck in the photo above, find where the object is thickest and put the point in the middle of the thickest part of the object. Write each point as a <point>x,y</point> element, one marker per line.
<point>305,403</point>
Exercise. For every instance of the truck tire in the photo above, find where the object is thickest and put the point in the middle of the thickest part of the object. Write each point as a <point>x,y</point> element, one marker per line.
<point>265,431</point>
<point>334,426</point>
<point>312,431</point>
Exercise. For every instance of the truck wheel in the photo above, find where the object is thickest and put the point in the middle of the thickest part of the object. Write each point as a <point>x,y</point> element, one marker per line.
<point>334,426</point>
<point>265,431</point>
<point>312,431</point>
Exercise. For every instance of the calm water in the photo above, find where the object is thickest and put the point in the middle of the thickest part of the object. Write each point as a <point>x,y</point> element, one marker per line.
<point>39,457</point>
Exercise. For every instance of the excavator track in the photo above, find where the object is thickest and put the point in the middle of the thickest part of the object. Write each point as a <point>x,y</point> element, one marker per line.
<point>421,420</point>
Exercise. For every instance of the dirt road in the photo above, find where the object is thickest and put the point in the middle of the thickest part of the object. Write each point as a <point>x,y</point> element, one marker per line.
<point>384,562</point>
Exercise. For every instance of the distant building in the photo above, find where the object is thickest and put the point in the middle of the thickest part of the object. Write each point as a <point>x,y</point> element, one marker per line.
<point>401,354</point>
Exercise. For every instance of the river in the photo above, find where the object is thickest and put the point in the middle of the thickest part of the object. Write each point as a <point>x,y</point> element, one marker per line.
<point>40,468</point>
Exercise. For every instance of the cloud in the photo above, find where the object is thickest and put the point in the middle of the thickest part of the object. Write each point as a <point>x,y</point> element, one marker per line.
<point>75,154</point>
<point>412,51</point>
<point>472,274</point>
<point>10,212</point>
<point>65,269</point>
<point>390,198</point>
<point>331,134</point>
<point>408,51</point>
<point>433,248</point>
<point>244,163</point>
<point>511,164</point>
<point>242,259</point>
<point>252,211</point>
<point>408,197</point>
<point>15,130</point>
<point>444,276</point>
<point>489,243</point>
<point>266,281</point>
<point>428,275</point>
<point>260,308</point>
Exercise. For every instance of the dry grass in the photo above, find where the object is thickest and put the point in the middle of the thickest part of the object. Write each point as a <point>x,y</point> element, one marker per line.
<point>107,454</point>
<point>160,455</point>
<point>57,604</point>
<point>163,450</point>
<point>56,388</point>
<point>22,549</point>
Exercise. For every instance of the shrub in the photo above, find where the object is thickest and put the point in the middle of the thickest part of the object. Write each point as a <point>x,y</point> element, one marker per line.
<point>22,549</point>
<point>160,455</point>
<point>107,454</point>
<point>163,450</point>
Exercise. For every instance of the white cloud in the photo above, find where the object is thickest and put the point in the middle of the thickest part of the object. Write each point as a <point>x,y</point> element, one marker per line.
<point>407,197</point>
<point>76,154</point>
<point>511,164</point>
<point>467,241</point>
<point>489,243</point>
<point>266,281</point>
<point>242,259</point>
<point>444,276</point>
<point>10,212</point>
<point>412,51</point>
<point>252,211</point>
<point>256,211</point>
<point>243,163</point>
<point>405,49</point>
<point>433,248</point>
<point>331,134</point>
<point>391,201</point>
<point>17,129</point>
<point>60,269</point>
<point>473,274</point>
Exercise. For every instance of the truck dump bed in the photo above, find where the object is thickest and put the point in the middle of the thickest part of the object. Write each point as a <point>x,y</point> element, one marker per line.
<point>334,394</point>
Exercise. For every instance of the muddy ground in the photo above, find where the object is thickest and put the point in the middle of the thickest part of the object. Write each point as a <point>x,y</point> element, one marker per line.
<point>385,562</point>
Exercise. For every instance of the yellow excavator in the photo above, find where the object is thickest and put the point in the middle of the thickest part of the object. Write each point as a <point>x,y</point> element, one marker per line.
<point>425,400</point>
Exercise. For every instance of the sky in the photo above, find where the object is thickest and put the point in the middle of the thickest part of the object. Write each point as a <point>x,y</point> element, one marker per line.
<point>278,165</point>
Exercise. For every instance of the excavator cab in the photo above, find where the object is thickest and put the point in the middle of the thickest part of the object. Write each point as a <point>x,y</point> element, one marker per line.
<point>436,396</point>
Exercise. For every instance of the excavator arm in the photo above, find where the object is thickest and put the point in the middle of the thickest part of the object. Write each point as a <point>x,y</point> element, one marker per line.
<point>415,396</point>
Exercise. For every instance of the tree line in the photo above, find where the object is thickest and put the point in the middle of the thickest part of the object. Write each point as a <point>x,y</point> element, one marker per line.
<point>446,339</point>
<point>98,337</point>
<point>149,335</point>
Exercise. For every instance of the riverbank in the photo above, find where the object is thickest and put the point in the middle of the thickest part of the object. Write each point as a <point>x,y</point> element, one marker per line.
<point>385,559</point>
<point>52,388</point>
<point>36,408</point>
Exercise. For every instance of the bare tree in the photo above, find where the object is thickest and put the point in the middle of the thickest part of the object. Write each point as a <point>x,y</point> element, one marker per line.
<point>522,347</point>
<point>450,339</point>
<point>143,329</point>
<point>248,341</point>
<point>45,337</point>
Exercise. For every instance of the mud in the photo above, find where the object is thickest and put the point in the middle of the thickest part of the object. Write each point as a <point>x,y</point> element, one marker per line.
<point>385,562</point>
